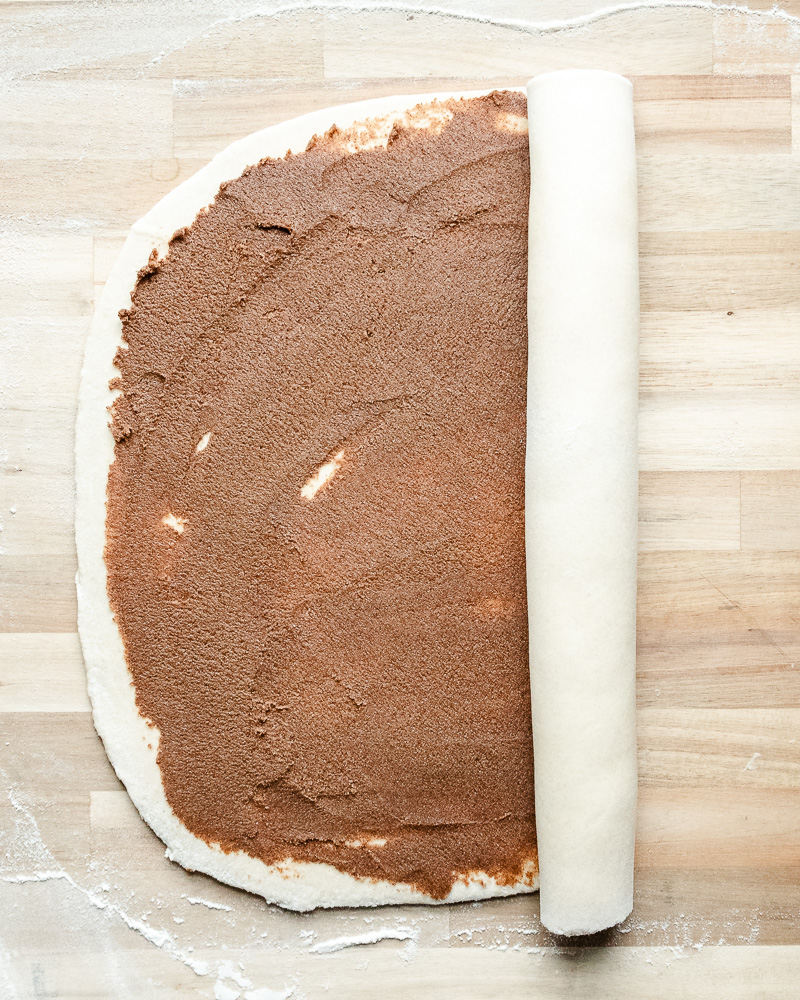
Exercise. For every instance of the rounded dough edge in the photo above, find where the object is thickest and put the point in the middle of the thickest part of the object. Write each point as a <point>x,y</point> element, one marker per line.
<point>130,741</point>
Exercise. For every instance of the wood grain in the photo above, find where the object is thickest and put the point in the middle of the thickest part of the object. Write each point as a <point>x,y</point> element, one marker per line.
<point>105,108</point>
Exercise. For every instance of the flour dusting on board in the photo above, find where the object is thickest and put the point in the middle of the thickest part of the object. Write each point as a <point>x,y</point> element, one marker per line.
<point>245,923</point>
<point>147,34</point>
<point>107,891</point>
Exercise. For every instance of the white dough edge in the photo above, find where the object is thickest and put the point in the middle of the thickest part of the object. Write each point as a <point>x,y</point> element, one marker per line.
<point>130,741</point>
<point>581,493</point>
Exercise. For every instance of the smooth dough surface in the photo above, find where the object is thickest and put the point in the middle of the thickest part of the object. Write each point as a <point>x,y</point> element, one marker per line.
<point>130,741</point>
<point>581,493</point>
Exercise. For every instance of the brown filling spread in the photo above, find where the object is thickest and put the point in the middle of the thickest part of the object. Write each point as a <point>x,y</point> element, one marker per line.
<point>315,541</point>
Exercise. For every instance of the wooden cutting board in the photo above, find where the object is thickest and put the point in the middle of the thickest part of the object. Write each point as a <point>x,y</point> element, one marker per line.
<point>108,108</point>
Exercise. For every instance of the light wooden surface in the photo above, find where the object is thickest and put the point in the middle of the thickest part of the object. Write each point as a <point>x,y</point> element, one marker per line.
<point>105,107</point>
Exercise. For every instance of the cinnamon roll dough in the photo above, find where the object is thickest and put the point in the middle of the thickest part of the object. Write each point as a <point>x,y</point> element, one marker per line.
<point>304,612</point>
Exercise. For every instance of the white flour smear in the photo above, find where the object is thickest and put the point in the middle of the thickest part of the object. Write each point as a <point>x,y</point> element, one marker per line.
<point>367,937</point>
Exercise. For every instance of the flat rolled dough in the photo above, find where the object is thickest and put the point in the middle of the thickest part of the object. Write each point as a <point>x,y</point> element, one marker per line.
<point>131,743</point>
<point>581,492</point>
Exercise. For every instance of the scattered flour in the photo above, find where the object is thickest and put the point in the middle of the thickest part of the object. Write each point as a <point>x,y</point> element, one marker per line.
<point>223,992</point>
<point>197,901</point>
<point>368,937</point>
<point>227,970</point>
<point>750,765</point>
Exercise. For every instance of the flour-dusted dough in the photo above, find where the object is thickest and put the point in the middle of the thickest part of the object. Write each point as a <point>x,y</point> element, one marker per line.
<point>581,493</point>
<point>131,743</point>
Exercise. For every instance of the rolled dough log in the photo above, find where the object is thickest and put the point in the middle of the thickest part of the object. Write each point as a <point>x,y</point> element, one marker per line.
<point>581,493</point>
